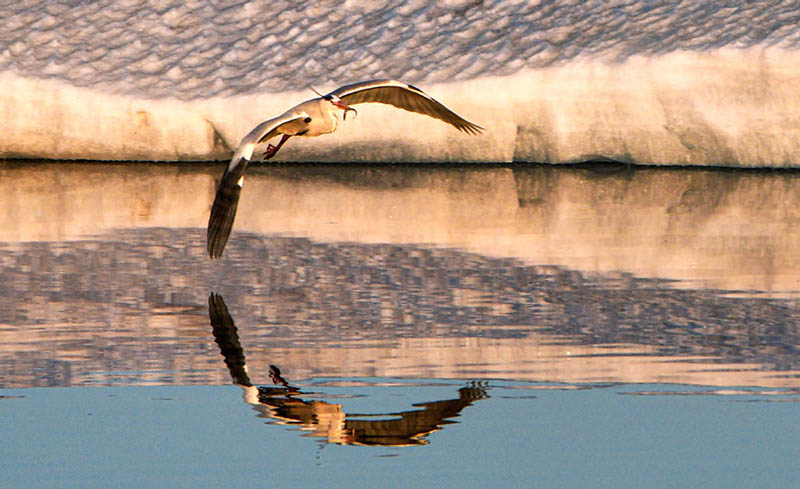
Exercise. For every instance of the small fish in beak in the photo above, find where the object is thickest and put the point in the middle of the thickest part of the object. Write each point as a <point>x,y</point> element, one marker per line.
<point>346,108</point>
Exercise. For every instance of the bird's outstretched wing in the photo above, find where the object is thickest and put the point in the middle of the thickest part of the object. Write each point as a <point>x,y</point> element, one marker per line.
<point>403,96</point>
<point>223,211</point>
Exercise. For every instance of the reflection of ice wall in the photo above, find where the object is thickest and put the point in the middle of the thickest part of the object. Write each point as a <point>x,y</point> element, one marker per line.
<point>681,82</point>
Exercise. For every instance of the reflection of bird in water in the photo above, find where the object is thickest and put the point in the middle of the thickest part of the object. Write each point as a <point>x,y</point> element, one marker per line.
<point>313,118</point>
<point>325,419</point>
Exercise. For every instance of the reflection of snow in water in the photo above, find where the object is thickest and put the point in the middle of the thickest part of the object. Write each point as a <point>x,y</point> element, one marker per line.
<point>133,303</point>
<point>697,83</point>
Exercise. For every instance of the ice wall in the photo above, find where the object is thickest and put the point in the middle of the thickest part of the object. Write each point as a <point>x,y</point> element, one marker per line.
<point>647,82</point>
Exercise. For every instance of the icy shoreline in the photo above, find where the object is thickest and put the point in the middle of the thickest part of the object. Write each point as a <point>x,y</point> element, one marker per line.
<point>705,84</point>
<point>729,108</point>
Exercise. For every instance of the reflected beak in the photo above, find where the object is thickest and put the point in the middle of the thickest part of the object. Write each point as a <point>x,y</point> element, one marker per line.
<point>346,108</point>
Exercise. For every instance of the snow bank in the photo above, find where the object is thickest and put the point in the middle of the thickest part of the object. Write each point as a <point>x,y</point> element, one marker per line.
<point>705,83</point>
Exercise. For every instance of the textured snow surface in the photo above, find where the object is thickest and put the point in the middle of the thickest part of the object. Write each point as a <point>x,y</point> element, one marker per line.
<point>692,82</point>
<point>199,49</point>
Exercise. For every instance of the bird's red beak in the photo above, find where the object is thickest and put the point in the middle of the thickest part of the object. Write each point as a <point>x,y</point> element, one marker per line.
<point>346,108</point>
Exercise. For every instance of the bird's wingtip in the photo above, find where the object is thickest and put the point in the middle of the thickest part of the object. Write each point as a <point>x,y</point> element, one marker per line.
<point>472,128</point>
<point>223,213</point>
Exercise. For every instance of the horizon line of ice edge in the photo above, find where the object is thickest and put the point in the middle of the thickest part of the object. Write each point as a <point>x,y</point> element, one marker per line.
<point>687,83</point>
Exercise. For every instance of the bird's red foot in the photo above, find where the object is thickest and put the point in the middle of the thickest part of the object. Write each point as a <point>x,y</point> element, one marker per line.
<point>270,152</point>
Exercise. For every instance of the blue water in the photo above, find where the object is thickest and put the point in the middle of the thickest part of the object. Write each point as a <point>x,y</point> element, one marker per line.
<point>521,435</point>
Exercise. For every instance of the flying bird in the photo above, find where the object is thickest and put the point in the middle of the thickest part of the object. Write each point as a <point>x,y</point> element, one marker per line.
<point>313,118</point>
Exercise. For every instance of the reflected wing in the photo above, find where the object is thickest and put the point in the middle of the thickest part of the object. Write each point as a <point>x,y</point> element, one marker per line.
<point>227,339</point>
<point>404,96</point>
<point>223,211</point>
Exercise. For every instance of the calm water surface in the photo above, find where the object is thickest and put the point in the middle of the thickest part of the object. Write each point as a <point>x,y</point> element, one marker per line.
<point>472,326</point>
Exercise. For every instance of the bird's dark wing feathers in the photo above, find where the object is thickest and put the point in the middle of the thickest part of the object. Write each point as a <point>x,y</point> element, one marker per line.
<point>223,211</point>
<point>405,97</point>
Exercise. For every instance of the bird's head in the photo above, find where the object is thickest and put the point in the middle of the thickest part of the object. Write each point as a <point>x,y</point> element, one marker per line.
<point>337,102</point>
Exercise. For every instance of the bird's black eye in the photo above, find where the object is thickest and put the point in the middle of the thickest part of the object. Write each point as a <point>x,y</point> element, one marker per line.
<point>327,97</point>
<point>307,120</point>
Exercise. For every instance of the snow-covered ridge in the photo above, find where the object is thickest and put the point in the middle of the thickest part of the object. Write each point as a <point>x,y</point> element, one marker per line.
<point>648,82</point>
<point>201,49</point>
